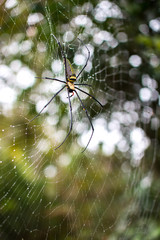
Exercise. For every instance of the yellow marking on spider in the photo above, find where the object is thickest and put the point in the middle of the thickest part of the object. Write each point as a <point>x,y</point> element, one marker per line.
<point>72,78</point>
<point>69,65</point>
<point>71,86</point>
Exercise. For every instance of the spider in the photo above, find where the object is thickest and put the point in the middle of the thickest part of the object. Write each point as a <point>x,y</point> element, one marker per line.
<point>71,88</point>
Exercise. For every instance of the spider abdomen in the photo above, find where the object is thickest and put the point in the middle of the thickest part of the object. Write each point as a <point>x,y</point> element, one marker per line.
<point>72,78</point>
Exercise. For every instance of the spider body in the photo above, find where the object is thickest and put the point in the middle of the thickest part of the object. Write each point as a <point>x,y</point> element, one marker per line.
<point>71,77</point>
<point>71,87</point>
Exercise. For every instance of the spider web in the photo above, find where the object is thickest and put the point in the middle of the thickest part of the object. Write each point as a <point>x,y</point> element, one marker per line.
<point>105,192</point>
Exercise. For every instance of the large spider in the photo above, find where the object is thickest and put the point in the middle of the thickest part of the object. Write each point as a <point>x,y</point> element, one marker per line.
<point>71,88</point>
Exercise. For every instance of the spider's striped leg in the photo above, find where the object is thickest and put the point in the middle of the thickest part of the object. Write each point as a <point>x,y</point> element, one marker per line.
<point>88,119</point>
<point>89,96</point>
<point>48,78</point>
<point>71,123</point>
<point>48,103</point>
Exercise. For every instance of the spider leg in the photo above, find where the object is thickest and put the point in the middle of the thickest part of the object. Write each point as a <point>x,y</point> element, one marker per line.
<point>58,42</point>
<point>48,78</point>
<point>86,60</point>
<point>71,95</point>
<point>90,96</point>
<point>48,103</point>
<point>71,124</point>
<point>63,54</point>
<point>83,84</point>
<point>88,119</point>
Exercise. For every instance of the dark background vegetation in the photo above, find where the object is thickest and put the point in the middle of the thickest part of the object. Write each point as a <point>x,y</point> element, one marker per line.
<point>92,198</point>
